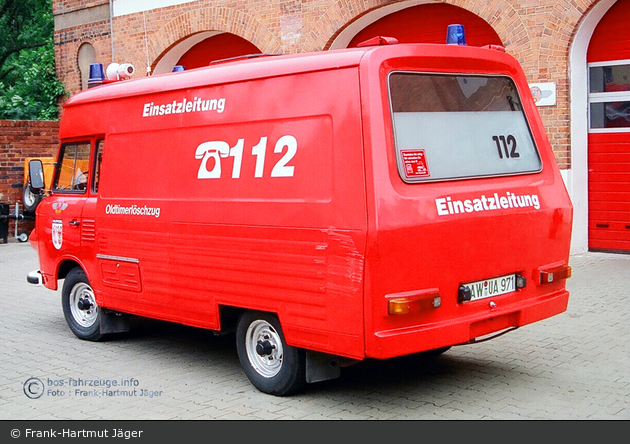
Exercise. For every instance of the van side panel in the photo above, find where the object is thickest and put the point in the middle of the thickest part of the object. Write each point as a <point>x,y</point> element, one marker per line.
<point>246,194</point>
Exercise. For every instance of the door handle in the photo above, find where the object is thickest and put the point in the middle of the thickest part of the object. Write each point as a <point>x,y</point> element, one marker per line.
<point>74,223</point>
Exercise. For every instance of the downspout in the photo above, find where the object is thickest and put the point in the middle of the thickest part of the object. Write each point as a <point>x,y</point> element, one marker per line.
<point>111,26</point>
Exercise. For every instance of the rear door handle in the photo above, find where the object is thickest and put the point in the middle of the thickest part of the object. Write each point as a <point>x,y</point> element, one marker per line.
<point>74,223</point>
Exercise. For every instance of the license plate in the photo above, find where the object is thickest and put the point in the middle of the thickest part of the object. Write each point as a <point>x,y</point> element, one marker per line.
<point>492,287</point>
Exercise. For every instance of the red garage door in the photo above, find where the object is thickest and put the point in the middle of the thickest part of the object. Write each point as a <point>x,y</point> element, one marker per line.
<point>427,24</point>
<point>221,46</point>
<point>609,132</point>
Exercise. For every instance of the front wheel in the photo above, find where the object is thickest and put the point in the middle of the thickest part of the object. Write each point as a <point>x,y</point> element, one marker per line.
<point>80,309</point>
<point>271,365</point>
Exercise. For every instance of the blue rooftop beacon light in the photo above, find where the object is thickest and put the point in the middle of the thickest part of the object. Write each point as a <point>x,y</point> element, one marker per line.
<point>455,35</point>
<point>178,68</point>
<point>97,75</point>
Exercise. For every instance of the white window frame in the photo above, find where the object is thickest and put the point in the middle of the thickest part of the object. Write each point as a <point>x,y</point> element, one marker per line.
<point>602,97</point>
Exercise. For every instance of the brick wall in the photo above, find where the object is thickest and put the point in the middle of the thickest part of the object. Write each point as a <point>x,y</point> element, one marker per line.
<point>20,139</point>
<point>64,6</point>
<point>537,32</point>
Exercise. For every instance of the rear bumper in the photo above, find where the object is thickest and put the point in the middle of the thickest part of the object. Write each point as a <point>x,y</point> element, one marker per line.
<point>399,342</point>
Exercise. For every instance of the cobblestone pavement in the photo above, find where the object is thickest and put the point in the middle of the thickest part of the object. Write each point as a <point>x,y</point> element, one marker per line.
<point>572,366</point>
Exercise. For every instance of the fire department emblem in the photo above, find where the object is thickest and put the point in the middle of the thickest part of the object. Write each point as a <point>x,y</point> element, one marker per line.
<point>57,233</point>
<point>59,206</point>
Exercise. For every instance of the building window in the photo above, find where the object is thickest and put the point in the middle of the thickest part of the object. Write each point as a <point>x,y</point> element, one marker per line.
<point>609,96</point>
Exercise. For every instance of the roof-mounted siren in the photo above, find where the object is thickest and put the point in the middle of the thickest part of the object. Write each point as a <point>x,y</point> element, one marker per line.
<point>97,75</point>
<point>455,35</point>
<point>120,71</point>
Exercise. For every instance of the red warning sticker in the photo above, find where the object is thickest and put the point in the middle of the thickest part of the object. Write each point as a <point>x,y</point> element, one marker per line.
<point>414,163</point>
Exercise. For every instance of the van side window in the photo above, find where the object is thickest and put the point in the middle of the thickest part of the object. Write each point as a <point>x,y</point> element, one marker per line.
<point>73,168</point>
<point>452,126</point>
<point>98,158</point>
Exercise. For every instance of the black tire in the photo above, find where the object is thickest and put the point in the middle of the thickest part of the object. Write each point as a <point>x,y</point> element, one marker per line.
<point>271,365</point>
<point>80,309</point>
<point>30,200</point>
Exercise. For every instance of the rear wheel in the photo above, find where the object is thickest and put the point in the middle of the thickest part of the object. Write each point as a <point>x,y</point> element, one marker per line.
<point>271,365</point>
<point>80,309</point>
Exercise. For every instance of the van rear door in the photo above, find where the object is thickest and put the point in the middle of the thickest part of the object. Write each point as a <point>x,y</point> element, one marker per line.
<point>469,205</point>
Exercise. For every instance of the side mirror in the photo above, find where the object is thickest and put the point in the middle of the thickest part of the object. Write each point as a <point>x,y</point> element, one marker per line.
<point>36,174</point>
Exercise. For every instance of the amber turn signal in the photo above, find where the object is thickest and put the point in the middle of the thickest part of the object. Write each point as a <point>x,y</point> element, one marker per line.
<point>406,303</point>
<point>555,274</point>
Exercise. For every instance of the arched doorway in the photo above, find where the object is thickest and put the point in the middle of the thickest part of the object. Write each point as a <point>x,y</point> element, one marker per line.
<point>427,23</point>
<point>220,46</point>
<point>608,59</point>
<point>202,48</point>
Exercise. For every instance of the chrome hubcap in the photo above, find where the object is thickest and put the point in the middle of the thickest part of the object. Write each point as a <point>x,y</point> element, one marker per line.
<point>264,348</point>
<point>83,305</point>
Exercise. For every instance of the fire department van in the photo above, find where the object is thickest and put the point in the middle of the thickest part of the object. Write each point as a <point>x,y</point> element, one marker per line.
<point>373,202</point>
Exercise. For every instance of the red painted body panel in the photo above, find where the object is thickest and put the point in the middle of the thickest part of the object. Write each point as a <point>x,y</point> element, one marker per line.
<point>283,195</point>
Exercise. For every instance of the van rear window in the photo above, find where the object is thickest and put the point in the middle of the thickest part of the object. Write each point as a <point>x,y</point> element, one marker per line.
<point>450,127</point>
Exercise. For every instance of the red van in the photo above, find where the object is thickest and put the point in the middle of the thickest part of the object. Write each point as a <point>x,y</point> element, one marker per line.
<point>328,207</point>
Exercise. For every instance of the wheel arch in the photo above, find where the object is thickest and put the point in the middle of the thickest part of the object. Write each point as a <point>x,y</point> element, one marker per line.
<point>60,271</point>
<point>66,265</point>
<point>228,318</point>
<point>229,315</point>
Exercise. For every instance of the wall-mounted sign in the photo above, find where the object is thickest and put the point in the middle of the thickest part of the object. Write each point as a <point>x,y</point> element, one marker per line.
<point>544,93</point>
